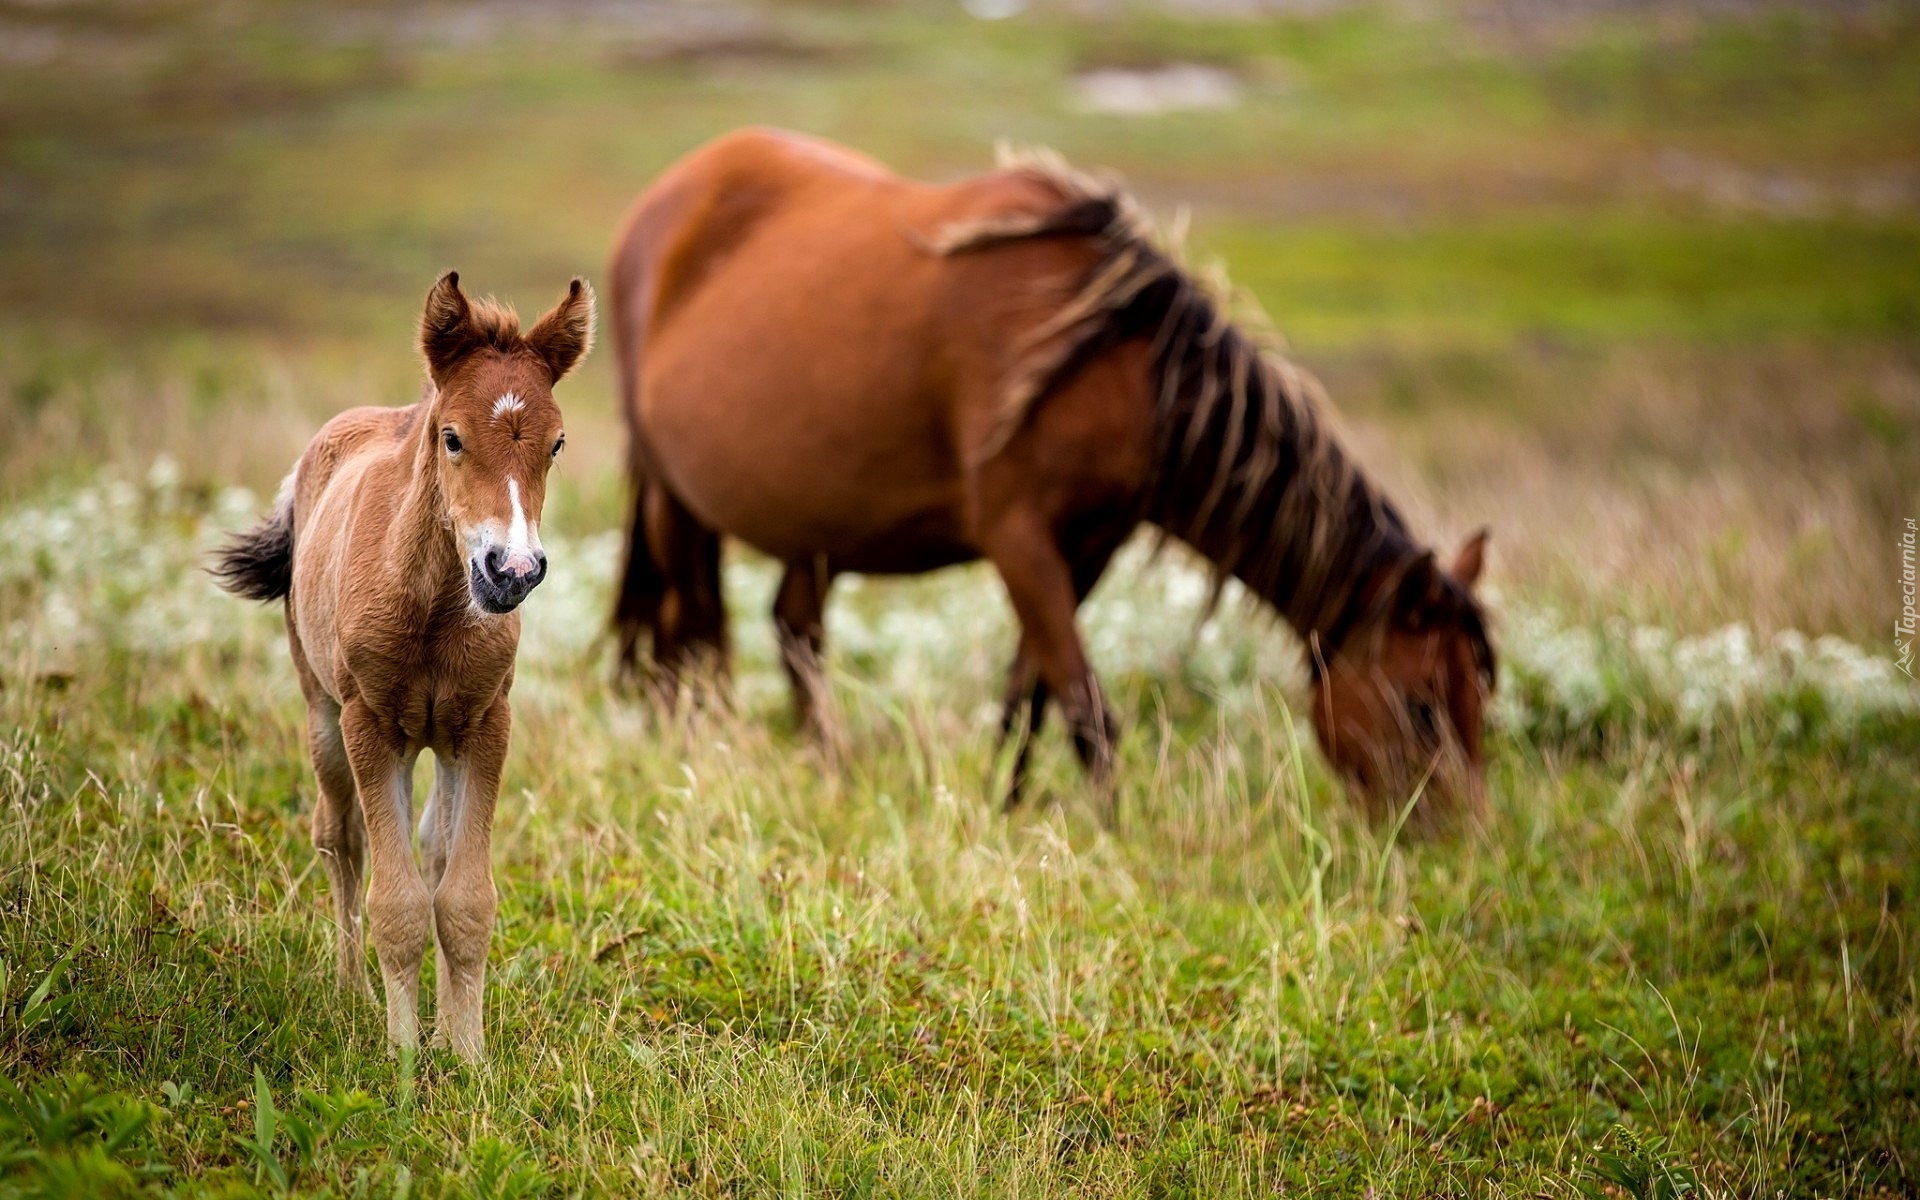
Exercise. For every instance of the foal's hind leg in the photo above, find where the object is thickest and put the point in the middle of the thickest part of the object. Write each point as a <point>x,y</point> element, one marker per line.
<point>799,623</point>
<point>341,838</point>
<point>436,834</point>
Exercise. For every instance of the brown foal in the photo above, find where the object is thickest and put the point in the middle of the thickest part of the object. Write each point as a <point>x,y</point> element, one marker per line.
<point>403,542</point>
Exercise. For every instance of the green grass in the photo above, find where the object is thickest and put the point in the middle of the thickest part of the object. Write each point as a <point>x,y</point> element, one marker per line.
<point>731,961</point>
<point>1568,278</point>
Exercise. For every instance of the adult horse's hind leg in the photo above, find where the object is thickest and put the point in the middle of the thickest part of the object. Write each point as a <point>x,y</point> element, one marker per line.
<point>799,623</point>
<point>340,837</point>
<point>690,630</point>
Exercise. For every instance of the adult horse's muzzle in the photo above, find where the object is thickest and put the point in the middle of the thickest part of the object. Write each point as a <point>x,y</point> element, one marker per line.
<point>500,580</point>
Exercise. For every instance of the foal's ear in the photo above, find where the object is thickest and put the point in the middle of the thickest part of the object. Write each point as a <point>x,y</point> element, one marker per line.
<point>563,337</point>
<point>446,327</point>
<point>1472,557</point>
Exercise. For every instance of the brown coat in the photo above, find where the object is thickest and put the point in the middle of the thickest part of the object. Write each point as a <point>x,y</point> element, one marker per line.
<point>857,372</point>
<point>403,542</point>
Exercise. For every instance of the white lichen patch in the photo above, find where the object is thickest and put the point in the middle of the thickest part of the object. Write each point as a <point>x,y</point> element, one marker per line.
<point>118,566</point>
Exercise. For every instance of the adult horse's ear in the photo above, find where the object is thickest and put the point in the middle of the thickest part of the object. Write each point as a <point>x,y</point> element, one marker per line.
<point>1472,557</point>
<point>563,337</point>
<point>446,327</point>
<point>1420,589</point>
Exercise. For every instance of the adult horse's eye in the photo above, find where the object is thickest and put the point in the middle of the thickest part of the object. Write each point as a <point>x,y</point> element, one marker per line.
<point>1425,721</point>
<point>559,444</point>
<point>450,440</point>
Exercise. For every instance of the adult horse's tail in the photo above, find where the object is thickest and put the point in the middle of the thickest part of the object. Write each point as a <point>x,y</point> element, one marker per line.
<point>258,564</point>
<point>643,585</point>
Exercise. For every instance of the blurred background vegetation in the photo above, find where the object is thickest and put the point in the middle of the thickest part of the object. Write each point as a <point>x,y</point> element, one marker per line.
<point>1636,283</point>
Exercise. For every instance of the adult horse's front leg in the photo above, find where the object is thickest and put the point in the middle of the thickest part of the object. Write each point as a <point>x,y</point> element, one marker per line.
<point>1041,586</point>
<point>463,898</point>
<point>1026,694</point>
<point>1027,688</point>
<point>399,906</point>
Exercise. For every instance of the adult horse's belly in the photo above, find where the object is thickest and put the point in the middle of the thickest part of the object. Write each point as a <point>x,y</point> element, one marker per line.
<point>810,417</point>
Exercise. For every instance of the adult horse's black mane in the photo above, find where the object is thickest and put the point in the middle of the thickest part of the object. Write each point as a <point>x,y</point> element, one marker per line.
<point>1249,474</point>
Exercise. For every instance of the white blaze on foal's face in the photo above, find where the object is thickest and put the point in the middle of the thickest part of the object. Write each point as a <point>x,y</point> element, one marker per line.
<point>494,466</point>
<point>518,539</point>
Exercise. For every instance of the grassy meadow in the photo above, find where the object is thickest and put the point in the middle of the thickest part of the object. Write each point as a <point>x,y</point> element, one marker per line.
<point>1636,285</point>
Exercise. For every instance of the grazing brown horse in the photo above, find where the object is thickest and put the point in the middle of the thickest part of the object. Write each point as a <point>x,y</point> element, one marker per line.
<point>403,542</point>
<point>857,372</point>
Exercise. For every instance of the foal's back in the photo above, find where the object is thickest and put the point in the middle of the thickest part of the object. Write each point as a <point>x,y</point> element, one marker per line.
<point>346,445</point>
<point>345,488</point>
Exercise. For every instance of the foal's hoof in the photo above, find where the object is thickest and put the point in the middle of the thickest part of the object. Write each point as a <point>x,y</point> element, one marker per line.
<point>467,1046</point>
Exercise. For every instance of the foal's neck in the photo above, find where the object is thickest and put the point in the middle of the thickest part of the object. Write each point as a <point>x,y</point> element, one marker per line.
<point>421,554</point>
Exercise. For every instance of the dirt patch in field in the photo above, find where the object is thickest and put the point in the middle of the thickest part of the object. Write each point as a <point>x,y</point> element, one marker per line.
<point>1152,90</point>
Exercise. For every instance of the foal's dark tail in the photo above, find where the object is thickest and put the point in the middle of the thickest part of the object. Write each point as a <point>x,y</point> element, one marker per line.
<point>258,564</point>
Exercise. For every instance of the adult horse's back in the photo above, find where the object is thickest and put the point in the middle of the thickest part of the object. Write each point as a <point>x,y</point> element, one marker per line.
<point>856,372</point>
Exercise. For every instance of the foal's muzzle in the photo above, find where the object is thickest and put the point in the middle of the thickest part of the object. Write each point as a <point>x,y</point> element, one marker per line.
<point>501,581</point>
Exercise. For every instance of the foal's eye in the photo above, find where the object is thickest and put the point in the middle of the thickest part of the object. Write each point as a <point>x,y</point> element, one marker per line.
<point>559,444</point>
<point>450,440</point>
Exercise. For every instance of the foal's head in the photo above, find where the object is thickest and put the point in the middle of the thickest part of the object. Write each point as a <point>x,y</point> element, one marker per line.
<point>1399,702</point>
<point>496,427</point>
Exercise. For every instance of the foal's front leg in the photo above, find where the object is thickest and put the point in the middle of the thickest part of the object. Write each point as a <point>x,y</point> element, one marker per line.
<point>463,898</point>
<point>399,907</point>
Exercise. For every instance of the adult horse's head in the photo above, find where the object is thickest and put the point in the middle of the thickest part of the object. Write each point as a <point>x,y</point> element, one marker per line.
<point>1247,471</point>
<point>496,429</point>
<point>1398,703</point>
